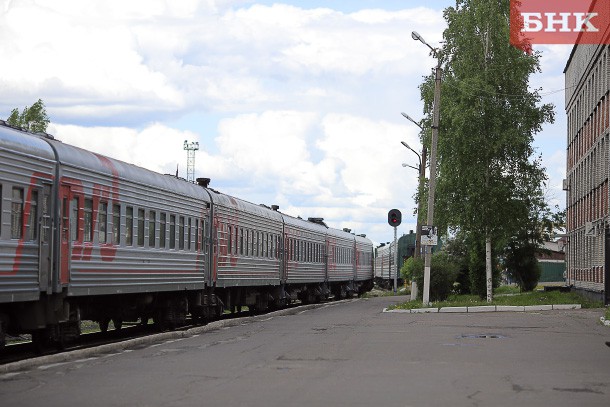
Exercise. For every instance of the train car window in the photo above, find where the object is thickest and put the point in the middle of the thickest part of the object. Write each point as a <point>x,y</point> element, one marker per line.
<point>310,249</point>
<point>181,232</point>
<point>116,224</point>
<point>204,233</point>
<point>141,231</point>
<point>74,220</point>
<point>102,222</point>
<point>188,234</point>
<point>88,220</point>
<point>129,226</point>
<point>32,224</point>
<point>172,231</point>
<point>252,246</point>
<point>196,234</point>
<point>241,241</point>
<point>17,213</point>
<point>152,229</point>
<point>257,244</point>
<point>230,239</point>
<point>162,229</point>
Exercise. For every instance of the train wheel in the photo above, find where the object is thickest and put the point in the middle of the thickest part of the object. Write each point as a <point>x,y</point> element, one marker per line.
<point>118,323</point>
<point>104,324</point>
<point>40,341</point>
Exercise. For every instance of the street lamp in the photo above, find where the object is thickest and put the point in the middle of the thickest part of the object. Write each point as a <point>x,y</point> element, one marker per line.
<point>422,178</point>
<point>434,142</point>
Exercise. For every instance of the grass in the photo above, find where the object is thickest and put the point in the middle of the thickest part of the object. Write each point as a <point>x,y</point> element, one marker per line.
<point>530,298</point>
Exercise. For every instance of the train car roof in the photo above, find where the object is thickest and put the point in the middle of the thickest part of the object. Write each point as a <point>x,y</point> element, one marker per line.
<point>87,160</point>
<point>24,142</point>
<point>363,239</point>
<point>219,198</point>
<point>340,234</point>
<point>304,224</point>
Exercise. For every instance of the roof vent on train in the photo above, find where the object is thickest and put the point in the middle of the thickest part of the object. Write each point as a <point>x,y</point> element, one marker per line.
<point>203,182</point>
<point>362,235</point>
<point>347,230</point>
<point>275,207</point>
<point>319,221</point>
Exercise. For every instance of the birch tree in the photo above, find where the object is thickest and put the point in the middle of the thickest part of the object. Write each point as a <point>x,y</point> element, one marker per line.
<point>489,114</point>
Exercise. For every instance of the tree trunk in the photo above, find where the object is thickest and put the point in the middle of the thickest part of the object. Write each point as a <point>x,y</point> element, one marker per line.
<point>488,271</point>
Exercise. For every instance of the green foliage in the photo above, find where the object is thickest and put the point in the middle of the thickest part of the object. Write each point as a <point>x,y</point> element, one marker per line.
<point>411,267</point>
<point>33,119</point>
<point>489,181</point>
<point>521,263</point>
<point>443,273</point>
<point>458,248</point>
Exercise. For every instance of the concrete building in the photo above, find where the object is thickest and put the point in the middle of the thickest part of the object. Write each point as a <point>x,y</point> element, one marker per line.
<point>587,82</point>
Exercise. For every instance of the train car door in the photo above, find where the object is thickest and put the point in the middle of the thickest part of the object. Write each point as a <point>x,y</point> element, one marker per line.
<point>282,250</point>
<point>68,227</point>
<point>45,235</point>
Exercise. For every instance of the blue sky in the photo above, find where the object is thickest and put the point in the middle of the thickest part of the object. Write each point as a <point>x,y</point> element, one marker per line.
<point>295,103</point>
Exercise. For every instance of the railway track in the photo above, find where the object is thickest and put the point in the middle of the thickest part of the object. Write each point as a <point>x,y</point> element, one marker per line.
<point>20,356</point>
<point>22,349</point>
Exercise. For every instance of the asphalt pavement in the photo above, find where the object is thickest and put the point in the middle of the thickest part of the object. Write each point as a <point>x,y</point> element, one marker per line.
<point>348,353</point>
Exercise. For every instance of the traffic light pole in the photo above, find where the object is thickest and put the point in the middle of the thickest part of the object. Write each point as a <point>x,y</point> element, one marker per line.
<point>394,220</point>
<point>395,262</point>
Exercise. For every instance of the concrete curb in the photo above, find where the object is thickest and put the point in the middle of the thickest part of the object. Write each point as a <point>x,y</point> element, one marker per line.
<point>486,308</point>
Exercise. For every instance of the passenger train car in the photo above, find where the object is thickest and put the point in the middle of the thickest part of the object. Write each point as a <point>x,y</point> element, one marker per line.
<point>88,237</point>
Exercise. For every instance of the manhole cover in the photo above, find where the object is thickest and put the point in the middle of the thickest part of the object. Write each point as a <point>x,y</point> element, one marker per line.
<point>481,336</point>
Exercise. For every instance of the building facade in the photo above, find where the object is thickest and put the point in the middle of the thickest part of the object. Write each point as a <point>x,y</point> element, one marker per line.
<point>587,78</point>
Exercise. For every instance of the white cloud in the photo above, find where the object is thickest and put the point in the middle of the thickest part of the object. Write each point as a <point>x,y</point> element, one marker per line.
<point>299,107</point>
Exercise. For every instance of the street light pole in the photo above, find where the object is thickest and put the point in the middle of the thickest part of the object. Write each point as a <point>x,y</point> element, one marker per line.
<point>432,184</point>
<point>422,179</point>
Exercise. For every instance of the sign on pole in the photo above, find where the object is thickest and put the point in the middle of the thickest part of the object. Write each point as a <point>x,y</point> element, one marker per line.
<point>429,236</point>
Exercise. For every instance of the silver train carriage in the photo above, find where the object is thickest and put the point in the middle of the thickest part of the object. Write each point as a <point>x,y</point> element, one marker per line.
<point>384,268</point>
<point>84,236</point>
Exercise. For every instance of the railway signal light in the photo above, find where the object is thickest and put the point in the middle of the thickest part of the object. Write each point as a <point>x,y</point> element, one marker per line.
<point>394,217</point>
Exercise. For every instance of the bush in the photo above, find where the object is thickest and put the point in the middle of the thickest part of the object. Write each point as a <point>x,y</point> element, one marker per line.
<point>443,273</point>
<point>522,265</point>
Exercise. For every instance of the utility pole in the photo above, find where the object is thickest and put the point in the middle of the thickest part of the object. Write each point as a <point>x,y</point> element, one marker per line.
<point>190,159</point>
<point>432,184</point>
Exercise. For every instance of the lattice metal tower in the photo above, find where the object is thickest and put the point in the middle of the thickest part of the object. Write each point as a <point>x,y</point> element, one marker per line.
<point>190,159</point>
